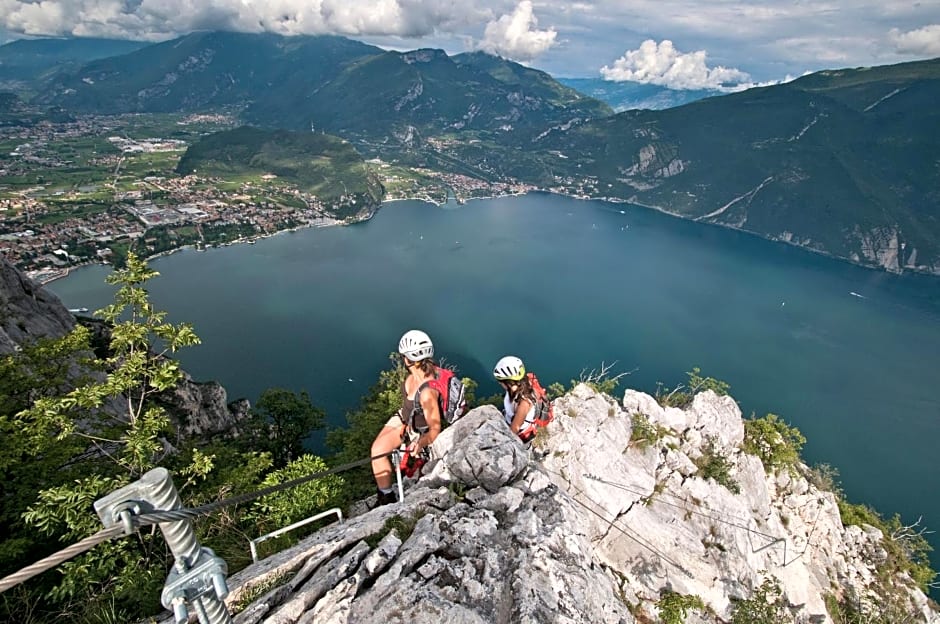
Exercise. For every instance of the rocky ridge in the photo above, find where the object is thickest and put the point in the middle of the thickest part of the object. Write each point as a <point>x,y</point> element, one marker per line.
<point>584,527</point>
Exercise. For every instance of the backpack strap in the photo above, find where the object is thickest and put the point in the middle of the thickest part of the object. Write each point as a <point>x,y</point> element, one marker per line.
<point>421,389</point>
<point>419,411</point>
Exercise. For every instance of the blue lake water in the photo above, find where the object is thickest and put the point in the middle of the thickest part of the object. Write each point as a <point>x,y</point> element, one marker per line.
<point>850,356</point>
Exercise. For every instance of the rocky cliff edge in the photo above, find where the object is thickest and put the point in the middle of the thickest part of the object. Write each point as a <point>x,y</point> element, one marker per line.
<point>584,527</point>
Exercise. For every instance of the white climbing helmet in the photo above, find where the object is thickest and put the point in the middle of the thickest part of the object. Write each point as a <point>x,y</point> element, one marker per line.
<point>509,368</point>
<point>416,345</point>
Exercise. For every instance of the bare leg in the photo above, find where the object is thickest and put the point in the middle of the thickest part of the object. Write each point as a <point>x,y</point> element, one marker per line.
<point>388,440</point>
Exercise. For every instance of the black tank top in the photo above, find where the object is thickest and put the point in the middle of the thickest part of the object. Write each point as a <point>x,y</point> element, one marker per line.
<point>411,412</point>
<point>407,405</point>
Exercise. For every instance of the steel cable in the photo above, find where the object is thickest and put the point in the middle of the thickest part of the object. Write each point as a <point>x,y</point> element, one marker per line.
<point>718,517</point>
<point>157,517</point>
<point>627,532</point>
<point>56,558</point>
<point>160,516</point>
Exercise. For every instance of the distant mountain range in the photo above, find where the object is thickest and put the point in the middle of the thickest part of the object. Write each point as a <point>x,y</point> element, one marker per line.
<point>27,61</point>
<point>327,83</point>
<point>627,95</point>
<point>843,162</point>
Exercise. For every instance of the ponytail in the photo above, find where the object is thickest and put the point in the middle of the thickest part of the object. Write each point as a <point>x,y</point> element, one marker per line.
<point>428,367</point>
<point>525,391</point>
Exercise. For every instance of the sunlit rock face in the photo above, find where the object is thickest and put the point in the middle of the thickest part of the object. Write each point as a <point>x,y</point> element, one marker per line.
<point>663,527</point>
<point>585,526</point>
<point>495,540</point>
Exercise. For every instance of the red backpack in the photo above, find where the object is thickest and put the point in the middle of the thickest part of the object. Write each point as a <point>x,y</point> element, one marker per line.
<point>545,412</point>
<point>451,402</point>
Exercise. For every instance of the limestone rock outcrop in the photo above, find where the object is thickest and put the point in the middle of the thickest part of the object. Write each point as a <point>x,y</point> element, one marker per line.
<point>510,548</point>
<point>203,408</point>
<point>585,526</point>
<point>663,527</point>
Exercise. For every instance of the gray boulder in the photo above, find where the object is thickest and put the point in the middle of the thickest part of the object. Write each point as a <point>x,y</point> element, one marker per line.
<point>488,454</point>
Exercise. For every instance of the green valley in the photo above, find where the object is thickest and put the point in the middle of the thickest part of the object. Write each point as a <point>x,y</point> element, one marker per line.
<point>323,168</point>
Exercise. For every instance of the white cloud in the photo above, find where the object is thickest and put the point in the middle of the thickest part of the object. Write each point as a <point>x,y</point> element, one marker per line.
<point>662,64</point>
<point>766,38</point>
<point>516,36</point>
<point>923,41</point>
<point>154,19</point>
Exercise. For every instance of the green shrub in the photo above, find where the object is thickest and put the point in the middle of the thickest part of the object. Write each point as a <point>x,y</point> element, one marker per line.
<point>600,379</point>
<point>403,526</point>
<point>683,394</point>
<point>293,504</point>
<point>826,478</point>
<point>673,607</point>
<point>777,444</point>
<point>906,545</point>
<point>555,390</point>
<point>713,465</point>
<point>858,514</point>
<point>894,608</point>
<point>607,385</point>
<point>697,383</point>
<point>644,433</point>
<point>258,590</point>
<point>541,438</point>
<point>658,489</point>
<point>675,397</point>
<point>765,606</point>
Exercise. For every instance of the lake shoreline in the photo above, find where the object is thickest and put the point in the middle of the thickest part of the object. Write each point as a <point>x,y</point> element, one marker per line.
<point>428,200</point>
<point>820,252</point>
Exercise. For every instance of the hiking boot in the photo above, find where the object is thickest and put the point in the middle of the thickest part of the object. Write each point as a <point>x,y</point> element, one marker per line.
<point>385,498</point>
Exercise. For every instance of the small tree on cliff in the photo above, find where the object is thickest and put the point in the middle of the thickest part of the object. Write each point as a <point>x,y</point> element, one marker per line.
<point>98,430</point>
<point>123,434</point>
<point>279,423</point>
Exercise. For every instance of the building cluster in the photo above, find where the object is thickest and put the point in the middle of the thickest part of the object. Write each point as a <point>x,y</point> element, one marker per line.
<point>48,226</point>
<point>37,242</point>
<point>465,187</point>
<point>48,131</point>
<point>462,187</point>
<point>37,238</point>
<point>146,146</point>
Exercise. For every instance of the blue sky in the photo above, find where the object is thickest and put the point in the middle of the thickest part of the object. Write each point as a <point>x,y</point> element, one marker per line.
<point>679,43</point>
